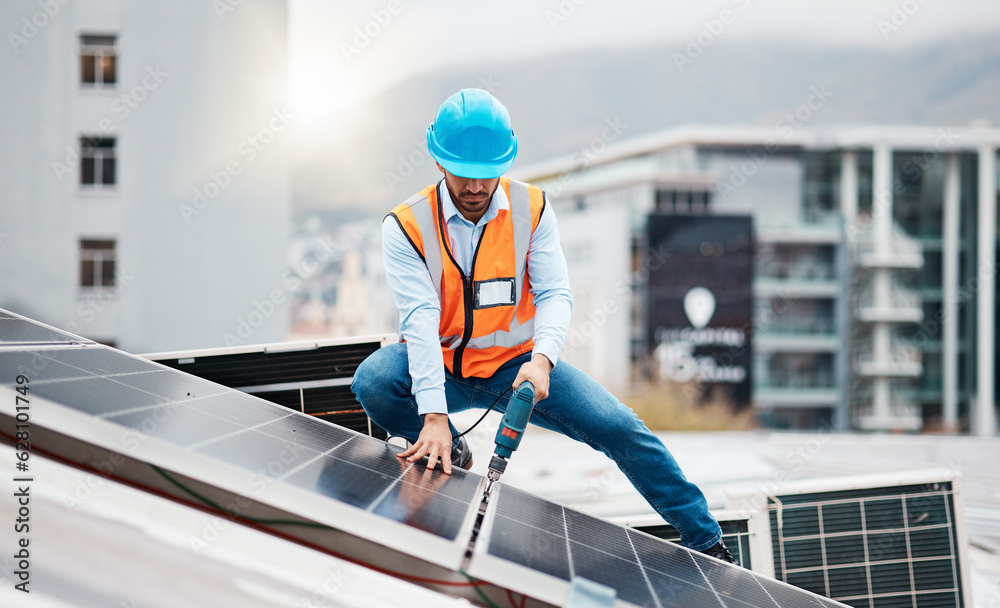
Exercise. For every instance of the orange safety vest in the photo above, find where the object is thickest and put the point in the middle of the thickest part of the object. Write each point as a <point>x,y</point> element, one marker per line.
<point>487,318</point>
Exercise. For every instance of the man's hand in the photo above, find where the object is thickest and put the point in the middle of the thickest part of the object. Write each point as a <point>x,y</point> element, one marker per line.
<point>434,442</point>
<point>536,371</point>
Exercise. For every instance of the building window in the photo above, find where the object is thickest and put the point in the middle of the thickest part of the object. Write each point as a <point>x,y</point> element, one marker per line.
<point>98,61</point>
<point>97,263</point>
<point>682,201</point>
<point>97,161</point>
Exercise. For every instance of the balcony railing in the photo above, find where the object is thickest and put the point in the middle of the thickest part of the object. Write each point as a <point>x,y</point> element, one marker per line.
<point>795,379</point>
<point>903,305</point>
<point>901,250</point>
<point>900,417</point>
<point>798,326</point>
<point>797,271</point>
<point>903,359</point>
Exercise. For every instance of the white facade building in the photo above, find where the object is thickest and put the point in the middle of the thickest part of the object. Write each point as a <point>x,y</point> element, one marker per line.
<point>143,169</point>
<point>875,262</point>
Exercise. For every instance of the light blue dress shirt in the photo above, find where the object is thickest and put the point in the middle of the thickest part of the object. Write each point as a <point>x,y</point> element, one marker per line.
<point>420,310</point>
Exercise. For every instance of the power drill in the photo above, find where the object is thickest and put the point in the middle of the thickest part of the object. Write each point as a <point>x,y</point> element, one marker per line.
<point>515,419</point>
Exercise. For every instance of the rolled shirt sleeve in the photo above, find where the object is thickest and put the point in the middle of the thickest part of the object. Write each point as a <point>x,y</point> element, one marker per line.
<point>419,317</point>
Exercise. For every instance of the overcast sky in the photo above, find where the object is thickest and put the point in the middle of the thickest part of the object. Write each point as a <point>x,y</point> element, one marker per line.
<point>342,52</point>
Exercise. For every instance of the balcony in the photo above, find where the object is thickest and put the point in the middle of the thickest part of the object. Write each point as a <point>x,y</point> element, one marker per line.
<point>797,334</point>
<point>903,360</point>
<point>902,306</point>
<point>788,388</point>
<point>796,279</point>
<point>806,227</point>
<point>900,415</point>
<point>901,251</point>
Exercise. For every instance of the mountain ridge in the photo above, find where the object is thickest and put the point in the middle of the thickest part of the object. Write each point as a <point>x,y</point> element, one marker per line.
<point>560,103</point>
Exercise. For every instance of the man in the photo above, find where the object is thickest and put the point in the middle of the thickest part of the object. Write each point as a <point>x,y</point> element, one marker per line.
<point>481,285</point>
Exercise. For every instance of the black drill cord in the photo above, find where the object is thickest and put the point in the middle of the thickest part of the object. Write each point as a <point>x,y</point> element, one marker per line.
<point>481,418</point>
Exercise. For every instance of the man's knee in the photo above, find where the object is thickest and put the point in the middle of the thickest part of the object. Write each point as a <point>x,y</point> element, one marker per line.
<point>379,371</point>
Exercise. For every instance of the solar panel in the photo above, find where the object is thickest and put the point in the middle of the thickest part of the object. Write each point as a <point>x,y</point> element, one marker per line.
<point>206,440</point>
<point>872,540</point>
<point>539,546</point>
<point>298,477</point>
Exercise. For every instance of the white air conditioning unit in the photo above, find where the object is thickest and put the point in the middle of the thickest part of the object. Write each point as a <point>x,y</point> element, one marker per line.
<point>313,377</point>
<point>876,540</point>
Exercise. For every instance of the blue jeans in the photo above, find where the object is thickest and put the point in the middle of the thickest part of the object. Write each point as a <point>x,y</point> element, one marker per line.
<point>577,406</point>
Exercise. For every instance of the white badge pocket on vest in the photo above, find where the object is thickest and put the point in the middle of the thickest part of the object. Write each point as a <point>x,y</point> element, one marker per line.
<point>494,292</point>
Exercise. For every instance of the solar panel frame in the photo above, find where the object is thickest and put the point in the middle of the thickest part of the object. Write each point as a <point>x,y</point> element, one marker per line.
<point>105,433</point>
<point>655,559</point>
<point>17,331</point>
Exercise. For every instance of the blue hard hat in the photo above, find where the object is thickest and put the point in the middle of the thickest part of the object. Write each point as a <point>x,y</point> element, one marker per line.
<point>471,136</point>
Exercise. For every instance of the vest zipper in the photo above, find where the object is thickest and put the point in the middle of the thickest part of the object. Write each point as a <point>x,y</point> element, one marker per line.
<point>469,297</point>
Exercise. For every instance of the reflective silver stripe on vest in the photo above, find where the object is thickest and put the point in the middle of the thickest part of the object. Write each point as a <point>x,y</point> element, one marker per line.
<point>520,213</point>
<point>507,339</point>
<point>451,342</point>
<point>423,213</point>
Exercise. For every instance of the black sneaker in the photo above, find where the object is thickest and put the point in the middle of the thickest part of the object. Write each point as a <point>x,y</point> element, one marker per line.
<point>719,551</point>
<point>461,455</point>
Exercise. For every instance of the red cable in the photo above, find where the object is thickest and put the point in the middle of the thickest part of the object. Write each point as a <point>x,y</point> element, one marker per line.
<point>510,598</point>
<point>252,524</point>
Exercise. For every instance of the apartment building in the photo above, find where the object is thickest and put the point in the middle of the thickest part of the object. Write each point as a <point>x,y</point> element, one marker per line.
<point>874,263</point>
<point>143,169</point>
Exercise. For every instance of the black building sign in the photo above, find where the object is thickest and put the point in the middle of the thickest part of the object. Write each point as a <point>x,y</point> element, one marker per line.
<point>700,301</point>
